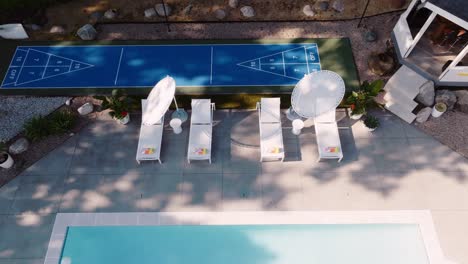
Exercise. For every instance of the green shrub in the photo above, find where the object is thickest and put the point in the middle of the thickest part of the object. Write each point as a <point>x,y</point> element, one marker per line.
<point>58,122</point>
<point>62,121</point>
<point>37,128</point>
<point>371,122</point>
<point>363,98</point>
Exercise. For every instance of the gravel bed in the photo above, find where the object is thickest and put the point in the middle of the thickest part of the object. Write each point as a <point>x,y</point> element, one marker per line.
<point>451,129</point>
<point>382,24</point>
<point>16,110</point>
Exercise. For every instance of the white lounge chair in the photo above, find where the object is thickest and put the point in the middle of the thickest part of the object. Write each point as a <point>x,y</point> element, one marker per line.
<point>149,143</point>
<point>326,131</point>
<point>271,133</point>
<point>201,128</point>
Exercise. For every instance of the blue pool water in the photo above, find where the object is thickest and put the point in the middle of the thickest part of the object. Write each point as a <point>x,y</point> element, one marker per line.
<point>259,244</point>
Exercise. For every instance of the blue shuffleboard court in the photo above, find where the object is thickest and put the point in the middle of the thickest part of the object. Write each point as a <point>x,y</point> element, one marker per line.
<point>142,66</point>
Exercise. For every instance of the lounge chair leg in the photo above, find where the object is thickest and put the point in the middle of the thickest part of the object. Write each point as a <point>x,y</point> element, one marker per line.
<point>160,162</point>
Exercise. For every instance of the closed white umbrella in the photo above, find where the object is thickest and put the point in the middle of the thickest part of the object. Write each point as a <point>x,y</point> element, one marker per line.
<point>159,100</point>
<point>324,87</point>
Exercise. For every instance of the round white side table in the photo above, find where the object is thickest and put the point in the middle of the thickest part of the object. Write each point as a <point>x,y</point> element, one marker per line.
<point>176,125</point>
<point>297,126</point>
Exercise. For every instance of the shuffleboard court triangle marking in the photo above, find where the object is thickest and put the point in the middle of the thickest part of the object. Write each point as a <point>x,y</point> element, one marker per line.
<point>265,63</point>
<point>45,72</point>
<point>253,64</point>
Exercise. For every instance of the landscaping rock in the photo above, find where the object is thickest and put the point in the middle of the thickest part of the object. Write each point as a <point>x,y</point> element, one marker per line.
<point>423,114</point>
<point>338,6</point>
<point>110,14</point>
<point>323,5</point>
<point>150,12</point>
<point>87,32</point>
<point>233,3</point>
<point>160,10</point>
<point>308,11</point>
<point>426,94</point>
<point>447,97</point>
<point>220,14</point>
<point>380,64</point>
<point>462,101</point>
<point>187,10</point>
<point>57,30</point>
<point>85,109</point>
<point>95,16</point>
<point>19,146</point>
<point>247,11</point>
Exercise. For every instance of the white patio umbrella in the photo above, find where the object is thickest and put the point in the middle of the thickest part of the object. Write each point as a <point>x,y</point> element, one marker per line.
<point>315,87</point>
<point>159,100</point>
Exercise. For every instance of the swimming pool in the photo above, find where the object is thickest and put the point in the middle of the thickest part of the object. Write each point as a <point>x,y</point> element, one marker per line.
<point>247,244</point>
<point>259,237</point>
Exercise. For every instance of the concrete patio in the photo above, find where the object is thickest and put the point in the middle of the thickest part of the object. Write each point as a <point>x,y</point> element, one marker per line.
<point>396,167</point>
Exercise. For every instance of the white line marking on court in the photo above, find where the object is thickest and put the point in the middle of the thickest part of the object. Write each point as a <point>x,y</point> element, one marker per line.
<point>118,67</point>
<point>50,54</point>
<point>211,66</point>
<point>271,54</point>
<point>269,73</point>
<point>307,60</point>
<point>318,55</point>
<point>43,74</point>
<point>9,66</point>
<point>90,66</point>
<point>43,66</point>
<point>284,64</point>
<point>19,74</point>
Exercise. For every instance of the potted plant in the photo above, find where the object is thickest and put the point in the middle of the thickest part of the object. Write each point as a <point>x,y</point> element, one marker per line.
<point>119,105</point>
<point>439,109</point>
<point>6,161</point>
<point>364,98</point>
<point>371,122</point>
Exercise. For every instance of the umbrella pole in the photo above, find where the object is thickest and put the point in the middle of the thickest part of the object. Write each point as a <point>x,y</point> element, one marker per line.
<point>176,106</point>
<point>179,113</point>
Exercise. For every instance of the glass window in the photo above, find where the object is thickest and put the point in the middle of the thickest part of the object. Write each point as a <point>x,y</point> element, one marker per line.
<point>417,17</point>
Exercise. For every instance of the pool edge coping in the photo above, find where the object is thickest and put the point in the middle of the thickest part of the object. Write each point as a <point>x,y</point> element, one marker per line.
<point>423,218</point>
